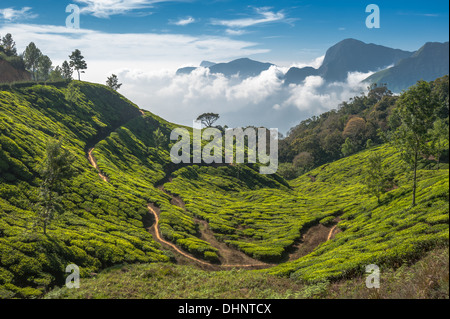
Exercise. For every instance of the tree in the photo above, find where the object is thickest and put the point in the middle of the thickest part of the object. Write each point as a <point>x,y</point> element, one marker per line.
<point>66,71</point>
<point>56,74</point>
<point>348,148</point>
<point>376,180</point>
<point>304,161</point>
<point>77,62</point>
<point>208,119</point>
<point>159,138</point>
<point>44,67</point>
<point>55,169</point>
<point>31,57</point>
<point>8,45</point>
<point>113,82</point>
<point>415,112</point>
<point>439,139</point>
<point>355,129</point>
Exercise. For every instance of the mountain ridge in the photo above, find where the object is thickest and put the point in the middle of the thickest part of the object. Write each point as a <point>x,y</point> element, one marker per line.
<point>419,66</point>
<point>351,55</point>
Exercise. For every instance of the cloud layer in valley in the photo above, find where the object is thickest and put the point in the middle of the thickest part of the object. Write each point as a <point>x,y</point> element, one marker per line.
<point>263,100</point>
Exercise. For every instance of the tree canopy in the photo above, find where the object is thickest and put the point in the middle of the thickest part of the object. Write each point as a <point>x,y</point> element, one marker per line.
<point>77,62</point>
<point>113,82</point>
<point>208,119</point>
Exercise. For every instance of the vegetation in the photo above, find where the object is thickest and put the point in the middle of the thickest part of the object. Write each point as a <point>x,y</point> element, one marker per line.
<point>56,168</point>
<point>113,82</point>
<point>8,46</point>
<point>416,112</point>
<point>347,130</point>
<point>77,62</point>
<point>101,224</point>
<point>32,56</point>
<point>104,224</point>
<point>377,183</point>
<point>208,119</point>
<point>427,278</point>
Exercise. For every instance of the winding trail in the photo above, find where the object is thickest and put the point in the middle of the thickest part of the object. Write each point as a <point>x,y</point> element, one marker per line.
<point>161,240</point>
<point>94,163</point>
<point>225,251</point>
<point>331,232</point>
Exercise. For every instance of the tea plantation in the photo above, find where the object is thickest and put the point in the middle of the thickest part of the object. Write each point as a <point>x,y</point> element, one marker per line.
<point>105,224</point>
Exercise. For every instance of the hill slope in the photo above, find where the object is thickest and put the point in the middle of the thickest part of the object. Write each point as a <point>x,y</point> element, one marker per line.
<point>388,234</point>
<point>101,223</point>
<point>428,63</point>
<point>201,208</point>
<point>104,221</point>
<point>9,73</point>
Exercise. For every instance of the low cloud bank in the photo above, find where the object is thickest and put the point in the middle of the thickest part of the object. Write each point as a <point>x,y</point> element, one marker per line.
<point>263,100</point>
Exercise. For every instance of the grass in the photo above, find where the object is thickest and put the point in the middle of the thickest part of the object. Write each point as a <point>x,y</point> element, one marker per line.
<point>428,278</point>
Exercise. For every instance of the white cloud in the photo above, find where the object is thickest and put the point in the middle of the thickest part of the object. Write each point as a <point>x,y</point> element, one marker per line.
<point>261,100</point>
<point>10,14</point>
<point>183,22</point>
<point>105,52</point>
<point>264,15</point>
<point>107,8</point>
<point>235,32</point>
<point>315,63</point>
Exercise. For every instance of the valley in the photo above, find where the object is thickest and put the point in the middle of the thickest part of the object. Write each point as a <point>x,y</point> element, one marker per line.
<point>130,210</point>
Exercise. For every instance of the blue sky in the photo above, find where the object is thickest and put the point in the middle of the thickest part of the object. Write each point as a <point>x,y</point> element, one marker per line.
<point>288,31</point>
<point>145,41</point>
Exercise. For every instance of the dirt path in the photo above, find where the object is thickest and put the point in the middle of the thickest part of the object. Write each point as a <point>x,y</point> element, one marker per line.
<point>152,210</point>
<point>331,232</point>
<point>94,163</point>
<point>229,257</point>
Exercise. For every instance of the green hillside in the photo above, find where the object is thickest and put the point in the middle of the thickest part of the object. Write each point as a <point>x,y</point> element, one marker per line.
<point>266,222</point>
<point>223,217</point>
<point>102,223</point>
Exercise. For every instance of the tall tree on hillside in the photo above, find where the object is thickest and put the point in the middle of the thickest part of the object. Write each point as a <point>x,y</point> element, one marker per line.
<point>77,62</point>
<point>31,57</point>
<point>44,67</point>
<point>56,74</point>
<point>113,82</point>
<point>8,45</point>
<point>376,180</point>
<point>439,139</point>
<point>54,170</point>
<point>415,112</point>
<point>66,71</point>
<point>208,119</point>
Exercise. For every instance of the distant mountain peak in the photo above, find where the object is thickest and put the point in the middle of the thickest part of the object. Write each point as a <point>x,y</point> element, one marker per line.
<point>244,67</point>
<point>427,63</point>
<point>349,55</point>
<point>207,64</point>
